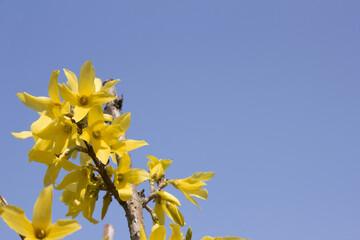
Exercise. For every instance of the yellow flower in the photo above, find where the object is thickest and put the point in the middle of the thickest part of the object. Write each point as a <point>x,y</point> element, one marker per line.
<point>192,185</point>
<point>163,207</point>
<point>40,227</point>
<point>123,146</point>
<point>62,131</point>
<point>157,167</point>
<point>167,204</point>
<point>83,96</point>
<point>99,134</point>
<point>80,193</point>
<point>124,176</point>
<point>158,232</point>
<point>177,234</point>
<point>51,105</point>
<point>53,163</point>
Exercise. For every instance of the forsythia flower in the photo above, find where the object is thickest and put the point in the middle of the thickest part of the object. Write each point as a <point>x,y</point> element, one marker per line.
<point>124,176</point>
<point>192,185</point>
<point>40,227</point>
<point>51,105</point>
<point>157,167</point>
<point>167,204</point>
<point>105,138</point>
<point>80,194</point>
<point>177,234</point>
<point>83,96</point>
<point>63,132</point>
<point>158,232</point>
<point>53,162</point>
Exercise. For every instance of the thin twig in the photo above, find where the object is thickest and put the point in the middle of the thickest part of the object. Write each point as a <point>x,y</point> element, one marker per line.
<point>101,170</point>
<point>162,183</point>
<point>152,213</point>
<point>133,207</point>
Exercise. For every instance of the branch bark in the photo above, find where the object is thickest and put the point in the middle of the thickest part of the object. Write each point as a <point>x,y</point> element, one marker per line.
<point>134,207</point>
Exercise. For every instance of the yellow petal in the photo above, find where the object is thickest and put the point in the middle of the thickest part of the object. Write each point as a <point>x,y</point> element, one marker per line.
<point>190,199</point>
<point>125,193</point>
<point>106,203</point>
<point>103,155</point>
<point>86,79</point>
<point>112,133</point>
<point>199,193</point>
<point>86,135</point>
<point>142,233</point>
<point>123,121</point>
<point>72,80</point>
<point>173,213</point>
<point>101,149</point>
<point>22,135</point>
<point>153,159</point>
<point>53,89</point>
<point>16,220</point>
<point>69,166</point>
<point>158,234</point>
<point>42,209</point>
<point>43,145</point>
<point>44,127</point>
<point>62,142</point>
<point>101,97</point>
<point>67,94</point>
<point>109,85</point>
<point>127,146</point>
<point>169,197</point>
<point>176,232</point>
<point>107,117</point>
<point>65,108</point>
<point>159,212</point>
<point>124,164</point>
<point>69,178</point>
<point>62,228</point>
<point>202,176</point>
<point>51,174</point>
<point>96,116</point>
<point>85,160</point>
<point>89,206</point>
<point>98,84</point>
<point>45,157</point>
<point>80,113</point>
<point>39,104</point>
<point>165,163</point>
<point>137,176</point>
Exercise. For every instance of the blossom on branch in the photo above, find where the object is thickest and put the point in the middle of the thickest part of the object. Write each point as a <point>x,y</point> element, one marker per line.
<point>40,227</point>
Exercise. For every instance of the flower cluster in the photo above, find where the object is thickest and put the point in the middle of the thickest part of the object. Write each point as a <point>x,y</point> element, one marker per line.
<point>72,123</point>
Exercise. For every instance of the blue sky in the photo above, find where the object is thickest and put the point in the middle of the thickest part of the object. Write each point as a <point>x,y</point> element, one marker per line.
<point>264,93</point>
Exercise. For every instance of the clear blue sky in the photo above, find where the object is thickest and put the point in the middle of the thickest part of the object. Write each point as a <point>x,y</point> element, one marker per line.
<point>264,93</point>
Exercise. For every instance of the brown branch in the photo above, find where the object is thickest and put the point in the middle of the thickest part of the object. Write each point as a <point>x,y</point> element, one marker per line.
<point>3,202</point>
<point>101,170</point>
<point>161,184</point>
<point>133,207</point>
